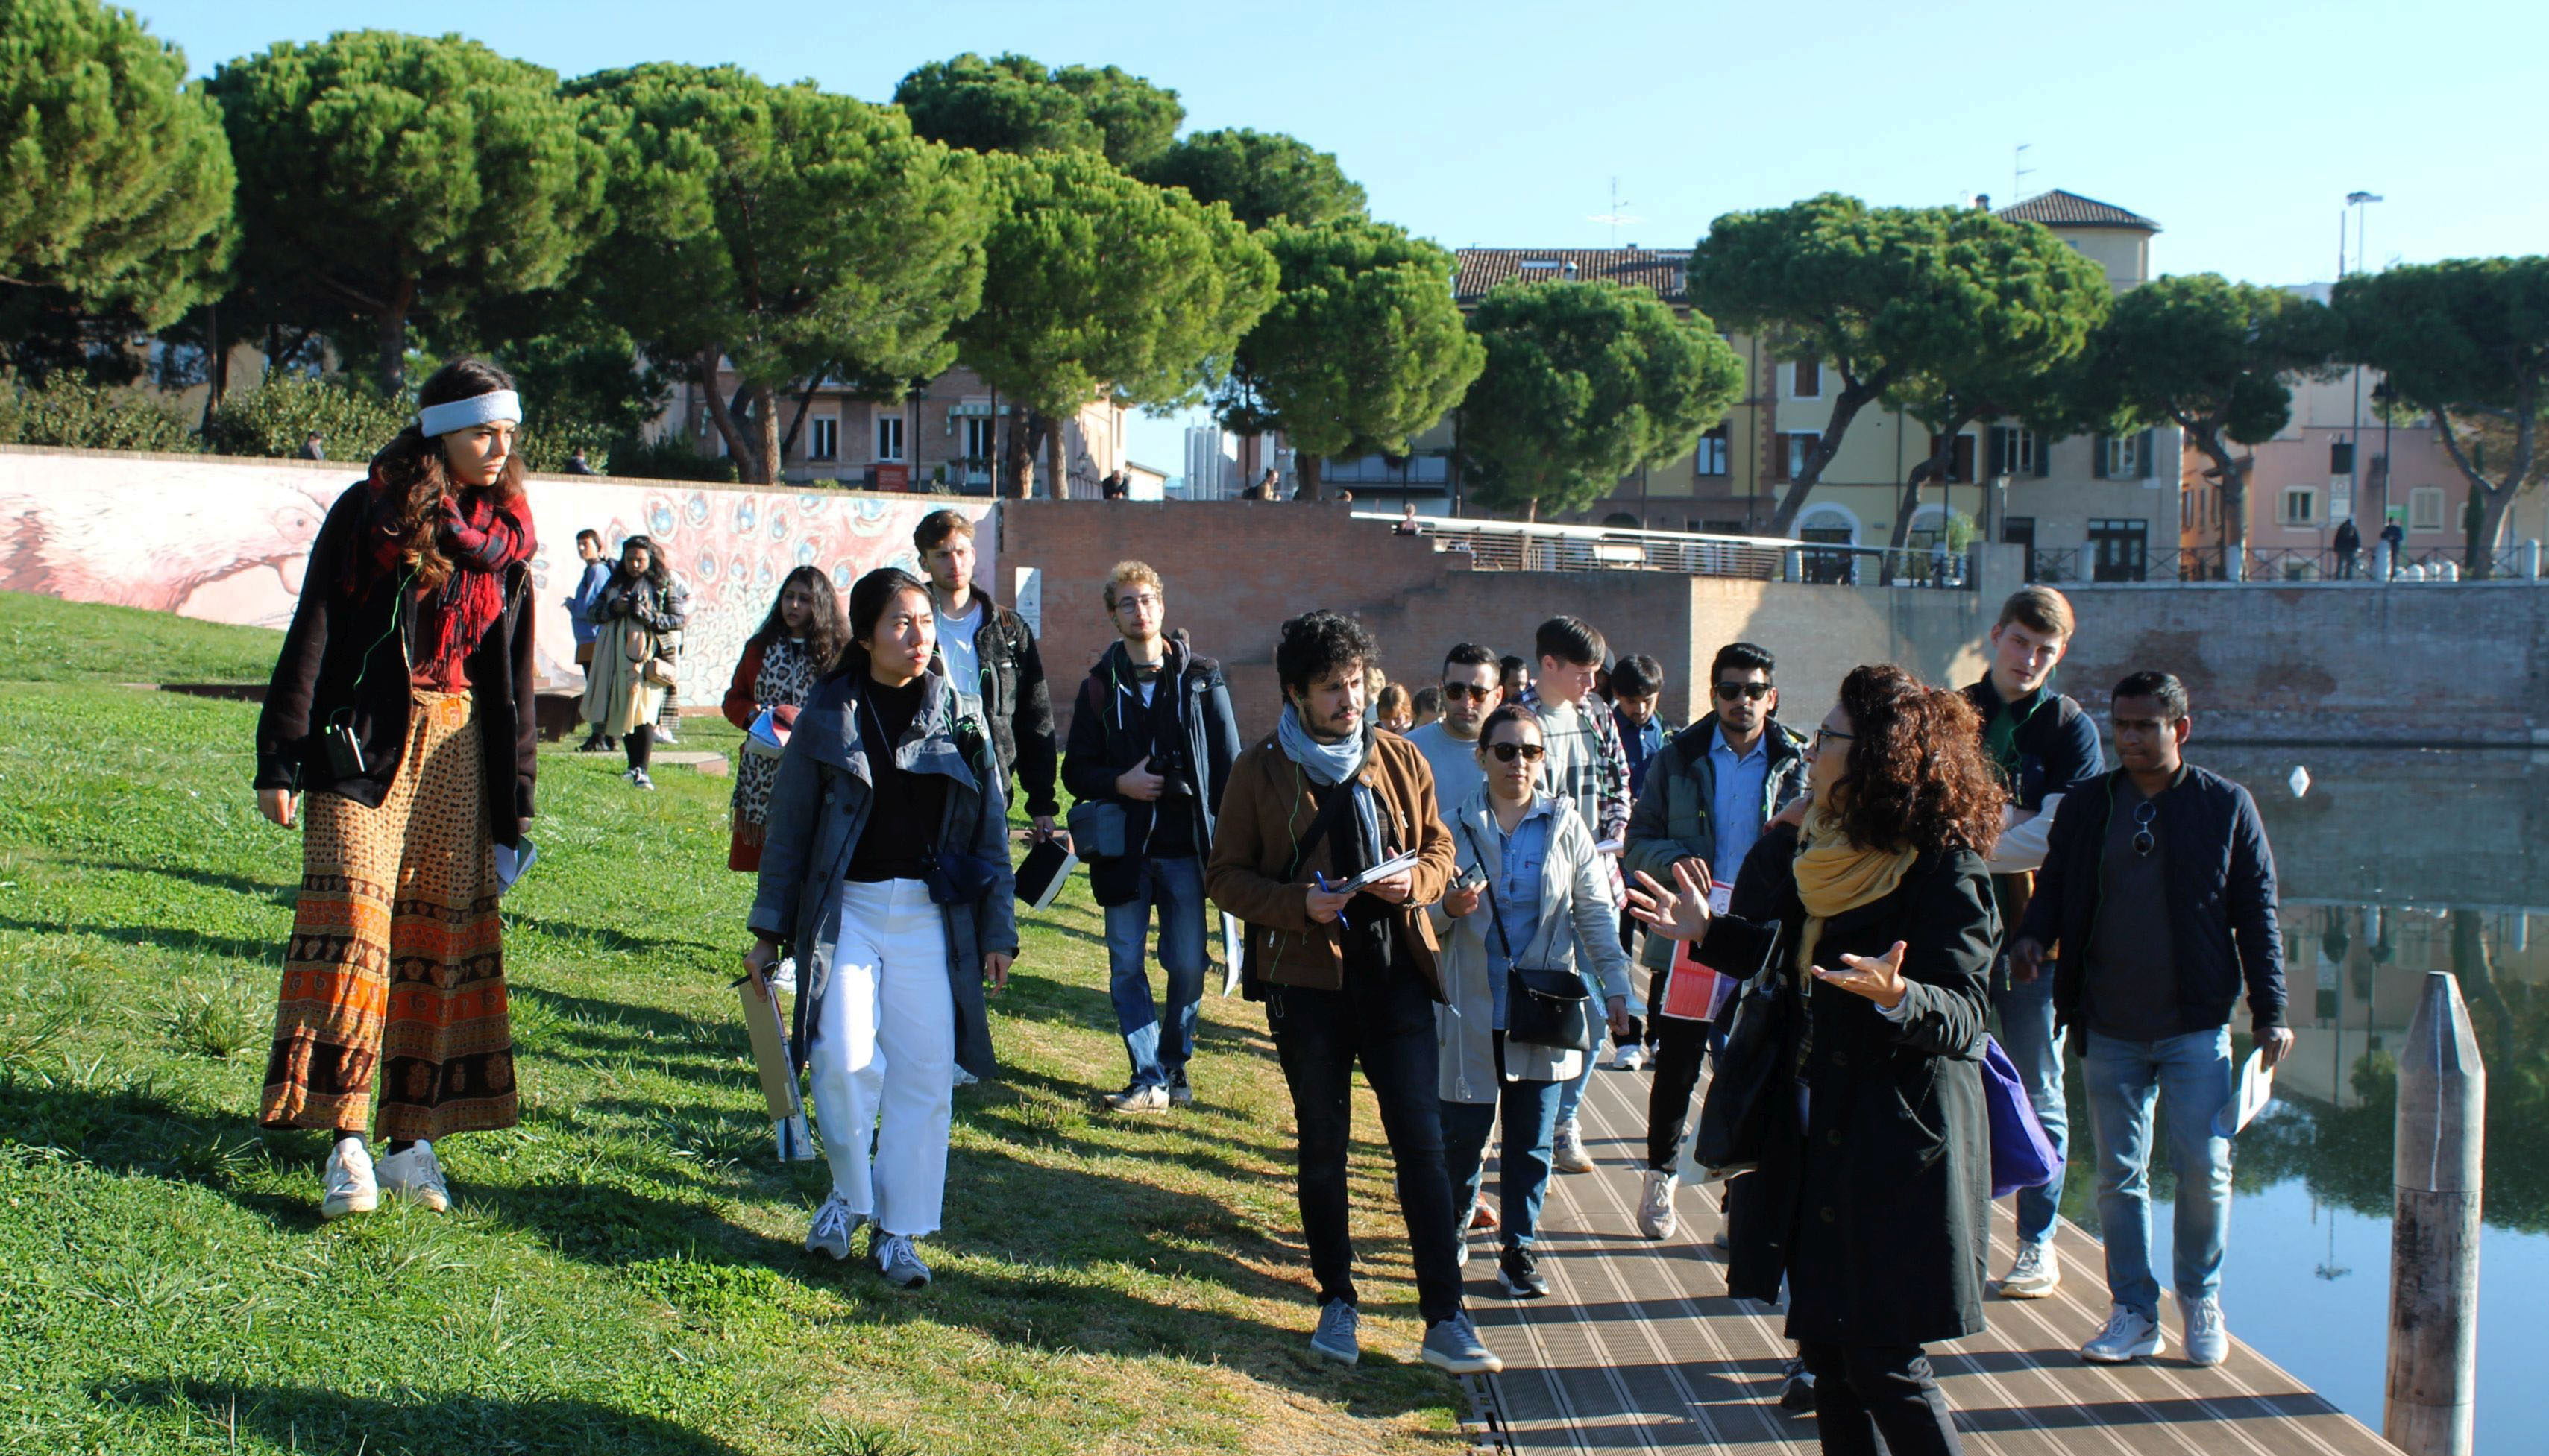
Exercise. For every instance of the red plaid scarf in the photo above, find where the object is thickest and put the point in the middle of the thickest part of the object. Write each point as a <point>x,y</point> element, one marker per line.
<point>481,539</point>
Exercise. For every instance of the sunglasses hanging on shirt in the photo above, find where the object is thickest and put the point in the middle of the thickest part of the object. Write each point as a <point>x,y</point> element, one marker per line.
<point>2143,840</point>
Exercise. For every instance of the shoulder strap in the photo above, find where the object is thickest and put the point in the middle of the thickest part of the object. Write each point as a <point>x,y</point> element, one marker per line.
<point>1495,912</point>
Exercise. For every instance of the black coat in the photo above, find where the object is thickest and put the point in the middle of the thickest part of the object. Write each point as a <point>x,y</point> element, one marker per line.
<point>1879,1210</point>
<point>1106,739</point>
<point>1017,707</point>
<point>2222,932</point>
<point>349,649</point>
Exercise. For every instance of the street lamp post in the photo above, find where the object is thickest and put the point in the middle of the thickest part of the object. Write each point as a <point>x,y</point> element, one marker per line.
<point>2354,450</point>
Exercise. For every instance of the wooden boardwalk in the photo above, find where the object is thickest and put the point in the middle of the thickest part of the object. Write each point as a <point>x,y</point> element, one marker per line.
<point>1639,1348</point>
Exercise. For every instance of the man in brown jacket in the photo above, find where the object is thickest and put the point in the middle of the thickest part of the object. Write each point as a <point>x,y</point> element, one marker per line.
<point>1348,975</point>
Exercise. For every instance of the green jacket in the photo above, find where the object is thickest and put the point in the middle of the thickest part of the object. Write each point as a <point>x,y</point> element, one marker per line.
<point>1675,819</point>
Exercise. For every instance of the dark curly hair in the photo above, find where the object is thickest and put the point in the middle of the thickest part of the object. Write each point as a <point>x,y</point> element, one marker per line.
<point>1917,778</point>
<point>1317,643</point>
<point>827,631</point>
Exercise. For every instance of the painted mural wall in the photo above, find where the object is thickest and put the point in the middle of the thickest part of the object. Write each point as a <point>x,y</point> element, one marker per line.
<point>226,540</point>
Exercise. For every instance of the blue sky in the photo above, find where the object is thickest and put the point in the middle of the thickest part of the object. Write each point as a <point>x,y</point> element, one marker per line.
<point>2239,126</point>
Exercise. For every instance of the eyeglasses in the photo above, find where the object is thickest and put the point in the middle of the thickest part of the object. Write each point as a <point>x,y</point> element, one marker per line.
<point>1139,599</point>
<point>1508,751</point>
<point>2143,840</point>
<point>1825,735</point>
<point>1454,691</point>
<point>1733,691</point>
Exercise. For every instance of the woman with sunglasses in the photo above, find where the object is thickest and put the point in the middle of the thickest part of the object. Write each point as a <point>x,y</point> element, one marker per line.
<point>1533,895</point>
<point>1873,1192</point>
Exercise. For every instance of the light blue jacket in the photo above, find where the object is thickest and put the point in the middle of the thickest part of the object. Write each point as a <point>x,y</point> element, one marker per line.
<point>819,807</point>
<point>1577,925</point>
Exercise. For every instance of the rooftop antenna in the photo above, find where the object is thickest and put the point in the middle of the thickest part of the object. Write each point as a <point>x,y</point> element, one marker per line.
<point>2019,170</point>
<point>1615,217</point>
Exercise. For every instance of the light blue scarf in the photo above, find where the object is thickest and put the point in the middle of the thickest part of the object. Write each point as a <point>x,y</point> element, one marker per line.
<point>1325,763</point>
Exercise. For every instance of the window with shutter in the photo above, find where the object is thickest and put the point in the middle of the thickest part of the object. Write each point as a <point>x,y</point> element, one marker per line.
<point>1809,379</point>
<point>2340,457</point>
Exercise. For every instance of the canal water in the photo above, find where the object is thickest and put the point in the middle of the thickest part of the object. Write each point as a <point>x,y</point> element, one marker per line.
<point>2392,864</point>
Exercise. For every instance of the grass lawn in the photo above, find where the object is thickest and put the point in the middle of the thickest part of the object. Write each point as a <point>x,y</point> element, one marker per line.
<point>625,1273</point>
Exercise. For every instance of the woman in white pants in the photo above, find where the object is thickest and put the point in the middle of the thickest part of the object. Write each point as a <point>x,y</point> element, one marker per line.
<point>887,869</point>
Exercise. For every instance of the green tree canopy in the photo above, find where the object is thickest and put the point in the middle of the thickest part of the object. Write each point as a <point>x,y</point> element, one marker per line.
<point>115,177</point>
<point>394,175</point>
<point>2215,359</point>
<point>2466,341</point>
<point>1100,285</point>
<point>1363,347</point>
<point>1014,102</point>
<point>1584,383</point>
<point>1262,175</point>
<point>787,232</point>
<point>2013,307</point>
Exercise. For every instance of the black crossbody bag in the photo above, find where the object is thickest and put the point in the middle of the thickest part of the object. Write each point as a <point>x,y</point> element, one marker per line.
<point>1544,1006</point>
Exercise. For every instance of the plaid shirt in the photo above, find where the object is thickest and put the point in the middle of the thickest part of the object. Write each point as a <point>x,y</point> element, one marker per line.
<point>1586,765</point>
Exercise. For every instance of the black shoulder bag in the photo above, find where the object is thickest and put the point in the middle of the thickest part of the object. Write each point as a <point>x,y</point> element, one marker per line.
<point>1544,1006</point>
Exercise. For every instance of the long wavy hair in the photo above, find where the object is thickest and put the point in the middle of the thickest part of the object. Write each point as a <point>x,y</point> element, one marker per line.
<point>1917,778</point>
<point>659,572</point>
<point>825,635</point>
<point>411,471</point>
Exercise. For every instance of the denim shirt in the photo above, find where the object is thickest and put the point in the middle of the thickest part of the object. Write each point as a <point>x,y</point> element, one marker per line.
<point>1735,810</point>
<point>1520,857</point>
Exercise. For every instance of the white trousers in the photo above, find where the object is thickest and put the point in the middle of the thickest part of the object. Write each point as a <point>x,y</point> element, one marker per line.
<point>883,1052</point>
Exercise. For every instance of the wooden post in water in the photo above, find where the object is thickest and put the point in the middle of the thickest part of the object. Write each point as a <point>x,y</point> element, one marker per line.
<point>2433,1233</point>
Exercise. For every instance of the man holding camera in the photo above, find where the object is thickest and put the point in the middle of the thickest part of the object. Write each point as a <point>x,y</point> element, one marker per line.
<point>1152,740</point>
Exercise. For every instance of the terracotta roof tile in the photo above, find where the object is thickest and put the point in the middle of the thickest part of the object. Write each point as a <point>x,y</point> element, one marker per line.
<point>1483,268</point>
<point>2059,209</point>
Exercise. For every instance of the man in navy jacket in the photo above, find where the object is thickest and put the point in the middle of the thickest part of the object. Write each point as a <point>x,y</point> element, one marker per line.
<point>2159,886</point>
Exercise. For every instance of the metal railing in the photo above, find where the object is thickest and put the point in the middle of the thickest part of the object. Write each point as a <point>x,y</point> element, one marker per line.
<point>1515,546</point>
<point>2263,565</point>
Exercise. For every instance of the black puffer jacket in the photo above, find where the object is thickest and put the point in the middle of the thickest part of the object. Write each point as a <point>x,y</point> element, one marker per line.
<point>1111,730</point>
<point>349,649</point>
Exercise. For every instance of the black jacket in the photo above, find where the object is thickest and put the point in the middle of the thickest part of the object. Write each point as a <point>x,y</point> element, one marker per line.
<point>2221,897</point>
<point>2057,745</point>
<point>1017,707</point>
<point>350,650</point>
<point>1878,1212</point>
<point>1108,735</point>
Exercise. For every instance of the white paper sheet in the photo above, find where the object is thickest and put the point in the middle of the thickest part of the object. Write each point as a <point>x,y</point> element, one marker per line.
<point>2256,1088</point>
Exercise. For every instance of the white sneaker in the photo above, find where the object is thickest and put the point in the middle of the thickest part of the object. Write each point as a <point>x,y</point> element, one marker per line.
<point>1138,1097</point>
<point>783,976</point>
<point>1630,1057</point>
<point>899,1262</point>
<point>833,1225</point>
<point>416,1175</point>
<point>1566,1152</point>
<point>2208,1340</point>
<point>2129,1336</point>
<point>1656,1216</point>
<point>2033,1274</point>
<point>348,1185</point>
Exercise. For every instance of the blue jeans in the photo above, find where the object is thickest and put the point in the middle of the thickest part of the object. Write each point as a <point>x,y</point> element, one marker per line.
<point>2026,1011</point>
<point>2125,1079</point>
<point>1175,886</point>
<point>1570,1093</point>
<point>1531,1121</point>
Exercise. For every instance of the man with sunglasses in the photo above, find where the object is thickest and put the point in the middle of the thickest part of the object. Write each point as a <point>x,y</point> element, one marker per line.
<point>2160,887</point>
<point>2041,742</point>
<point>1709,793</point>
<point>1473,688</point>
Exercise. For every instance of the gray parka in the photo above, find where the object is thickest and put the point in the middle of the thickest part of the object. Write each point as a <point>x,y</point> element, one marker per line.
<point>819,806</point>
<point>1574,911</point>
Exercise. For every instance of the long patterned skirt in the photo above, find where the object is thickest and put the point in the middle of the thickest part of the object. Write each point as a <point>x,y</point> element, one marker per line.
<point>394,985</point>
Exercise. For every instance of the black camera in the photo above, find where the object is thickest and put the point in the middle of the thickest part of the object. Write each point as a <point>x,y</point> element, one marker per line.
<point>1171,765</point>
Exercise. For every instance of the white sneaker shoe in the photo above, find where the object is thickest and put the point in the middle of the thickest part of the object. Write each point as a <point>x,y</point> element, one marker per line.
<point>1630,1057</point>
<point>1138,1097</point>
<point>2129,1336</point>
<point>348,1186</point>
<point>2208,1340</point>
<point>783,976</point>
<point>1656,1216</point>
<point>416,1175</point>
<point>832,1227</point>
<point>2033,1274</point>
<point>1566,1152</point>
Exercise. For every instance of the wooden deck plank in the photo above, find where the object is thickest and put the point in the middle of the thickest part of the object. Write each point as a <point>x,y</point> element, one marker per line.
<point>1640,1350</point>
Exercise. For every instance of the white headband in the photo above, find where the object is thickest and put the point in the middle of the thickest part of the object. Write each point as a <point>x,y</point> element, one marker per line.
<point>442,419</point>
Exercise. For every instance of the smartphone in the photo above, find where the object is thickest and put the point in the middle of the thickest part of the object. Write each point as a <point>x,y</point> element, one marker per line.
<point>1470,878</point>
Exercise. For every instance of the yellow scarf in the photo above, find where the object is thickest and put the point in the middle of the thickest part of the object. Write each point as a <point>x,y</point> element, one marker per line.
<point>1834,876</point>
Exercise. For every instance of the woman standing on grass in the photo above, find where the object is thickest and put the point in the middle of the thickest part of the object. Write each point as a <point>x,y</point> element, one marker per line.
<point>636,611</point>
<point>1544,901</point>
<point>886,864</point>
<point>401,716</point>
<point>797,647</point>
<point>1873,1194</point>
